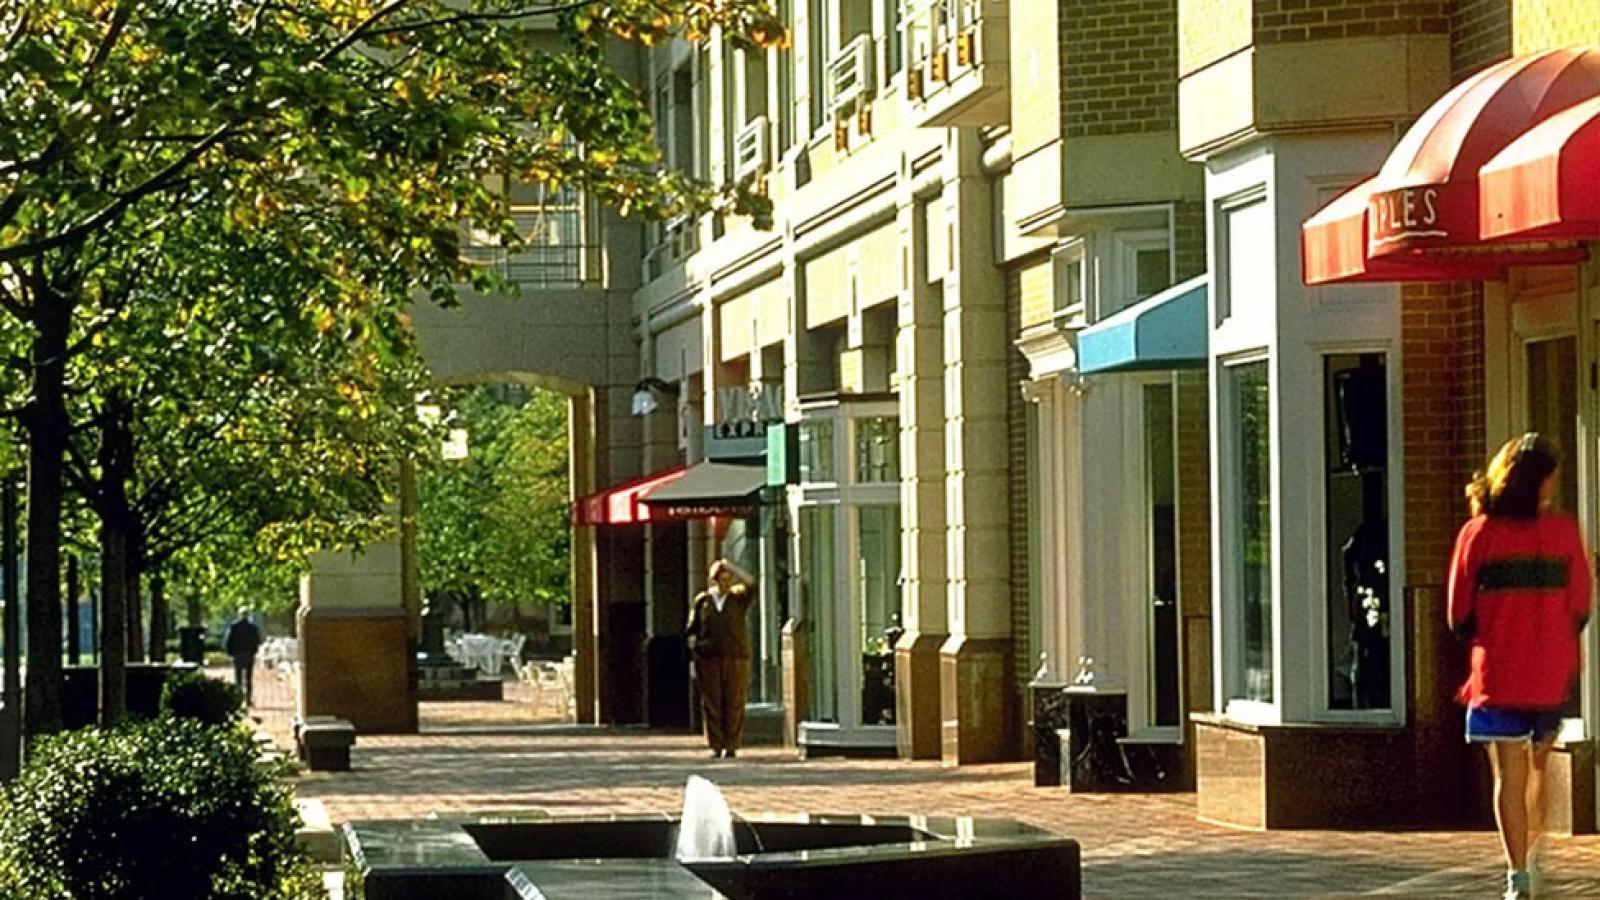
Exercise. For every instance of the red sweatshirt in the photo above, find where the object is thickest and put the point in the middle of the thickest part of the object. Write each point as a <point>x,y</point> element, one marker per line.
<point>1521,587</point>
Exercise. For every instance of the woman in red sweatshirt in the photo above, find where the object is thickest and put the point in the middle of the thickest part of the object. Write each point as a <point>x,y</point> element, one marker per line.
<point>1520,594</point>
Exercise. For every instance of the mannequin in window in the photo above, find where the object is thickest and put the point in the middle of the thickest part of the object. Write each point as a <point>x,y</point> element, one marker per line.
<point>1366,590</point>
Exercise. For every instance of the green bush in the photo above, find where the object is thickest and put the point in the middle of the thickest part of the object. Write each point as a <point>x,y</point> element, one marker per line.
<point>168,809</point>
<point>191,695</point>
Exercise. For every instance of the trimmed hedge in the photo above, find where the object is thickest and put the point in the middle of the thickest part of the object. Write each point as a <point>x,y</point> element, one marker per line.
<point>191,695</point>
<point>168,809</point>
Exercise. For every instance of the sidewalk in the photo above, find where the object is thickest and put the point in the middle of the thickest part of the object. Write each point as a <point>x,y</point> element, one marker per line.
<point>494,757</point>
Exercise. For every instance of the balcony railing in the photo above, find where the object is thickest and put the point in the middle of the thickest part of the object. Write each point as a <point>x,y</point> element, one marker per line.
<point>957,62</point>
<point>549,267</point>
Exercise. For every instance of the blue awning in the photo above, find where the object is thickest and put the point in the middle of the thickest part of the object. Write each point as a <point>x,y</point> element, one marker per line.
<point>1166,331</point>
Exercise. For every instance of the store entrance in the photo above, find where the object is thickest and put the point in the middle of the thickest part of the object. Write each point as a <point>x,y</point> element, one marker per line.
<point>849,571</point>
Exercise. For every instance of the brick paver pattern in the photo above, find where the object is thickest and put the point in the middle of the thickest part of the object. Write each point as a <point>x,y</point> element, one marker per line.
<point>501,757</point>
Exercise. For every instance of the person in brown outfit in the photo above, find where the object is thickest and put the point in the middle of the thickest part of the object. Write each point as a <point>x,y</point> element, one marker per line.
<point>719,638</point>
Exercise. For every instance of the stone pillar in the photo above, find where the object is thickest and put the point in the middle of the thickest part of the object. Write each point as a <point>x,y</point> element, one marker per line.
<point>621,622</point>
<point>975,661</point>
<point>355,641</point>
<point>920,351</point>
<point>665,582</point>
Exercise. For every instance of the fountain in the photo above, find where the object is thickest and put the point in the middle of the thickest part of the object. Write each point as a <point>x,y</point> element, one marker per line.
<point>706,829</point>
<point>704,854</point>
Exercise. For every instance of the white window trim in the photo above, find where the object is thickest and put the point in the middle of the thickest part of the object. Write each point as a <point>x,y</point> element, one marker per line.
<point>845,497</point>
<point>1073,252</point>
<point>1138,583</point>
<point>1318,510</point>
<point>1228,624</point>
<point>1120,290</point>
<point>1221,281</point>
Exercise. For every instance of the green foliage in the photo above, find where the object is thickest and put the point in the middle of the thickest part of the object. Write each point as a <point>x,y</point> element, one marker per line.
<point>191,695</point>
<point>230,570</point>
<point>496,522</point>
<point>214,214</point>
<point>169,809</point>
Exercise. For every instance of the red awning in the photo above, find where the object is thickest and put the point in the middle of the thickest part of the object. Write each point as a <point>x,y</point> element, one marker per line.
<point>1418,217</point>
<point>1546,184</point>
<point>621,505</point>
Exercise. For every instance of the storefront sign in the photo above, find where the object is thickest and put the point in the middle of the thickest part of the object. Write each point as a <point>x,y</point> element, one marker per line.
<point>743,414</point>
<point>1406,214</point>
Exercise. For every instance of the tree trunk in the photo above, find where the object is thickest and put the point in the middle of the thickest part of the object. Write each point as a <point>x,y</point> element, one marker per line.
<point>194,613</point>
<point>116,466</point>
<point>113,625</point>
<point>158,618</point>
<point>130,584</point>
<point>48,427</point>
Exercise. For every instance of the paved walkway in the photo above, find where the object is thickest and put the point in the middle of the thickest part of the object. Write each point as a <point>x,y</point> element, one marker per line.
<point>496,756</point>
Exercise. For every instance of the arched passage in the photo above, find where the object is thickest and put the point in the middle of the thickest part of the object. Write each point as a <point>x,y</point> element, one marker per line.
<point>357,621</point>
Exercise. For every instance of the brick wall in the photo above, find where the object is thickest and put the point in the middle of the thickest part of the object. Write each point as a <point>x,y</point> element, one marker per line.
<point>1189,233</point>
<point>1288,21</point>
<point>1441,350</point>
<point>1194,534</point>
<point>1119,66</point>
<point>1022,666</point>
<point>1480,34</point>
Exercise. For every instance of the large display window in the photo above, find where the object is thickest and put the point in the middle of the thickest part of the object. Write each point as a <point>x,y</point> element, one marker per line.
<point>848,507</point>
<point>1248,510</point>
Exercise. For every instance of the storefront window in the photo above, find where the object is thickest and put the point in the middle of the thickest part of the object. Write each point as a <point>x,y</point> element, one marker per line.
<point>878,583</point>
<point>819,559</point>
<point>877,449</point>
<point>1355,488</point>
<point>1252,529</point>
<point>816,452</point>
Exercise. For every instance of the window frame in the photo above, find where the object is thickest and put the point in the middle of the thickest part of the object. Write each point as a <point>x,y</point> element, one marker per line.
<point>1319,660</point>
<point>1235,703</point>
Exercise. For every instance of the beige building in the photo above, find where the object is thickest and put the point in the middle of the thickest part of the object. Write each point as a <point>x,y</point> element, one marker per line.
<point>1048,430</point>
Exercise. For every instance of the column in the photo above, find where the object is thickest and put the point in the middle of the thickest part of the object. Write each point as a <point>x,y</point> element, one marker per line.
<point>356,649</point>
<point>975,661</point>
<point>585,624</point>
<point>920,351</point>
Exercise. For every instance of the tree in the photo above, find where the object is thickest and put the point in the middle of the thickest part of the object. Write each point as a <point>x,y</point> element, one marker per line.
<point>493,526</point>
<point>377,117</point>
<point>241,391</point>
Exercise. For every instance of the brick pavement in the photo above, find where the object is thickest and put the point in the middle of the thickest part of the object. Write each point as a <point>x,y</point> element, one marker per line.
<point>498,757</point>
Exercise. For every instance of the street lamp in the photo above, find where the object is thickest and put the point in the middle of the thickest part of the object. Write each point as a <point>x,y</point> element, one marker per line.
<point>644,394</point>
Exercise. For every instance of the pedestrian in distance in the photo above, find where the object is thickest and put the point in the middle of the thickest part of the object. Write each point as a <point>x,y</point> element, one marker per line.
<point>719,639</point>
<point>243,640</point>
<point>1519,593</point>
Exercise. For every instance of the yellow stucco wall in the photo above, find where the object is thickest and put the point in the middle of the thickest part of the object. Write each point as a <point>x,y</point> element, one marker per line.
<point>1036,75</point>
<point>1037,292</point>
<point>1547,24</point>
<point>736,328</point>
<point>1209,30</point>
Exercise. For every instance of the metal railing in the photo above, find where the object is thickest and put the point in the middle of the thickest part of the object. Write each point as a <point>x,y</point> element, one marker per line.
<point>547,266</point>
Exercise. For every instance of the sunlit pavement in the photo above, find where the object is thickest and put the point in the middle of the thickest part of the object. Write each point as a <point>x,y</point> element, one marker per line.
<point>499,756</point>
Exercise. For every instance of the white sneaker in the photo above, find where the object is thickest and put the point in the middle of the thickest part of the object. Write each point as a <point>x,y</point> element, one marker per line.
<point>1519,885</point>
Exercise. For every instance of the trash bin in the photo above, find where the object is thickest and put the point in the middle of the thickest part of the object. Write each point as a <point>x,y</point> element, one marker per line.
<point>192,644</point>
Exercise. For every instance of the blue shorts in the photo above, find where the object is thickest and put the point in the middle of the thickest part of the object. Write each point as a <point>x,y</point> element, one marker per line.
<point>1486,724</point>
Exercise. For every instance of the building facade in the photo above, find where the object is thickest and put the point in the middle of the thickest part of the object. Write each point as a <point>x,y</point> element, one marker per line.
<point>1094,394</point>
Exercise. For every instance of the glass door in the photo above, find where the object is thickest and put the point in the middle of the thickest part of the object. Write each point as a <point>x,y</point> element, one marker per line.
<point>820,576</point>
<point>849,551</point>
<point>1551,385</point>
<point>877,612</point>
<point>1162,699</point>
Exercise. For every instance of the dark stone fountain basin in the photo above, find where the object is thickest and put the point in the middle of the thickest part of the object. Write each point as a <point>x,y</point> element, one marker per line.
<point>609,858</point>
